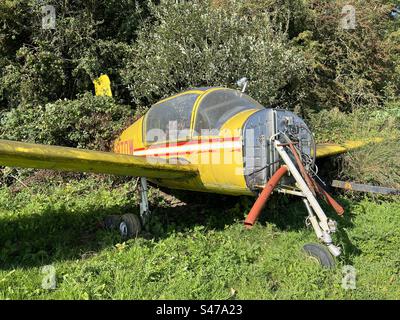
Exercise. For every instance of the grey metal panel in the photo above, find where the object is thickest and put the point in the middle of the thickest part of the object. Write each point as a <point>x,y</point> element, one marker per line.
<point>257,132</point>
<point>351,186</point>
<point>261,160</point>
<point>293,126</point>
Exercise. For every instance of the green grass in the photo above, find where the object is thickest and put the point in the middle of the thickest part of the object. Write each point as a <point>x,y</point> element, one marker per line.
<point>195,249</point>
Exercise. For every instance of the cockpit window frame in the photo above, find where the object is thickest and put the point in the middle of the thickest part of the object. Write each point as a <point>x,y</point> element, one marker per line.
<point>215,132</point>
<point>202,94</point>
<point>199,93</point>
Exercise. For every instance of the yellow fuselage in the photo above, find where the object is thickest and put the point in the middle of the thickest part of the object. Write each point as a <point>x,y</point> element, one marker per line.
<point>219,158</point>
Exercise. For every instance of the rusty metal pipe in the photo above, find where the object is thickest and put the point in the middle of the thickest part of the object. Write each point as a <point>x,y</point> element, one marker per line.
<point>302,169</point>
<point>263,197</point>
<point>330,200</point>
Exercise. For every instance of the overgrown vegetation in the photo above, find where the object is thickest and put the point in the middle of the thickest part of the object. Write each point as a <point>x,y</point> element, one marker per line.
<point>216,47</point>
<point>87,122</point>
<point>274,43</point>
<point>197,250</point>
<point>377,163</point>
<point>346,83</point>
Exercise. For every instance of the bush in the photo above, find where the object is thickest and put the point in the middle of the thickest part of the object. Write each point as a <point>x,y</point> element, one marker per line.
<point>88,122</point>
<point>288,16</point>
<point>350,69</point>
<point>377,163</point>
<point>37,77</point>
<point>198,44</point>
<point>336,126</point>
<point>91,38</point>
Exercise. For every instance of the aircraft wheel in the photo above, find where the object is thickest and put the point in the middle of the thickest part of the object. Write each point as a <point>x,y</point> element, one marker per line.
<point>321,254</point>
<point>130,226</point>
<point>112,222</point>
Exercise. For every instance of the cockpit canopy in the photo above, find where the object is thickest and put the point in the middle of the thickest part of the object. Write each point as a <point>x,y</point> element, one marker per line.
<point>195,112</point>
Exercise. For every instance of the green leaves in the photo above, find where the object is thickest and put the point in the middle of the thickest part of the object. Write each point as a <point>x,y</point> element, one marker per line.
<point>215,47</point>
<point>58,226</point>
<point>88,122</point>
<point>91,37</point>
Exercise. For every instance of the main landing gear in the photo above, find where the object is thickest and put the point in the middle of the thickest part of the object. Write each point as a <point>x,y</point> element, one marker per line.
<point>130,225</point>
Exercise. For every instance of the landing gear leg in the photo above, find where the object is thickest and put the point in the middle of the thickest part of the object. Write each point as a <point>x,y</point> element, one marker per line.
<point>323,226</point>
<point>144,201</point>
<point>322,235</point>
<point>130,225</point>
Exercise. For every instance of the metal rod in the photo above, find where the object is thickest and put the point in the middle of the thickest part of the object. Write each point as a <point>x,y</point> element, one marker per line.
<point>313,220</point>
<point>351,186</point>
<point>291,192</point>
<point>303,186</point>
<point>321,235</point>
<point>329,199</point>
<point>144,202</point>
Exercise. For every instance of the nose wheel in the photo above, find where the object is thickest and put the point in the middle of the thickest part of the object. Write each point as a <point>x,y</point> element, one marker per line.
<point>112,222</point>
<point>320,254</point>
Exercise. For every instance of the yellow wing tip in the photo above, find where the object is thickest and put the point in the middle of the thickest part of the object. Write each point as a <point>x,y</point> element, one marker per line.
<point>333,149</point>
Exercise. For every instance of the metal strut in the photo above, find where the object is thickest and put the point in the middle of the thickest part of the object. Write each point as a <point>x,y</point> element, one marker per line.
<point>144,202</point>
<point>325,226</point>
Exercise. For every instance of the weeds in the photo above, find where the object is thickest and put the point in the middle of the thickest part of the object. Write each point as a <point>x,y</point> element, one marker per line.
<point>197,253</point>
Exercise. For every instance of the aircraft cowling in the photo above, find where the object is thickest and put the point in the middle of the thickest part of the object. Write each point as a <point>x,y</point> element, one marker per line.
<point>261,160</point>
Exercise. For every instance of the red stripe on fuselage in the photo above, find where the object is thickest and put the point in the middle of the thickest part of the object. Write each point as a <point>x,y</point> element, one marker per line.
<point>188,152</point>
<point>187,143</point>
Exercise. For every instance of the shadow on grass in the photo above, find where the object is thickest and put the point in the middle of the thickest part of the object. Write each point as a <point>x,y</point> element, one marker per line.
<point>59,235</point>
<point>52,235</point>
<point>290,214</point>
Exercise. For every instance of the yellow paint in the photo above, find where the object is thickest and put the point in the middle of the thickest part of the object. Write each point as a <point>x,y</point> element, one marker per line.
<point>102,86</point>
<point>132,135</point>
<point>236,123</point>
<point>332,149</point>
<point>348,186</point>
<point>355,144</point>
<point>329,149</point>
<point>29,155</point>
<point>215,173</point>
<point>199,92</point>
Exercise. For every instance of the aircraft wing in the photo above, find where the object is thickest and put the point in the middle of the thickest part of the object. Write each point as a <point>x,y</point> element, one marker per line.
<point>37,156</point>
<point>332,149</point>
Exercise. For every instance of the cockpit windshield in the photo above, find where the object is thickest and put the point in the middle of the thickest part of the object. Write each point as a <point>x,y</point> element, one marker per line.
<point>170,120</point>
<point>219,106</point>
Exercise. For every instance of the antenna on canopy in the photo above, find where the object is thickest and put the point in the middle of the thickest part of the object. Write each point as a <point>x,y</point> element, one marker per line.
<point>243,83</point>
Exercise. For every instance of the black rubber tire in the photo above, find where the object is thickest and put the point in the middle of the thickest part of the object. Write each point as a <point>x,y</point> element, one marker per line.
<point>130,226</point>
<point>321,253</point>
<point>112,222</point>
